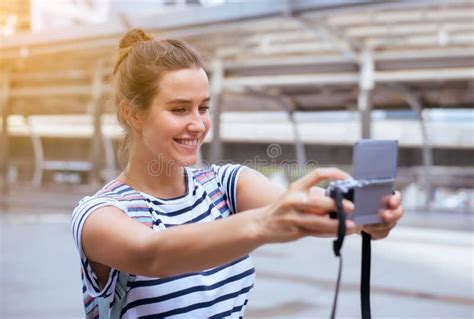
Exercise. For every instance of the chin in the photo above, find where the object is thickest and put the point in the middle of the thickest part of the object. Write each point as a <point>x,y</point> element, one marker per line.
<point>187,161</point>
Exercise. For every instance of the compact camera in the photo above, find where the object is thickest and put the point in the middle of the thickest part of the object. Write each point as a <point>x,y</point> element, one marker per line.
<point>374,171</point>
<point>346,187</point>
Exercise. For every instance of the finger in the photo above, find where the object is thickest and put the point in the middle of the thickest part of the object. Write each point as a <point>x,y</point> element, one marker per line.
<point>351,227</point>
<point>392,215</point>
<point>323,226</point>
<point>381,230</point>
<point>322,205</point>
<point>377,234</point>
<point>378,231</point>
<point>377,228</point>
<point>317,191</point>
<point>315,224</point>
<point>395,200</point>
<point>389,219</point>
<point>317,175</point>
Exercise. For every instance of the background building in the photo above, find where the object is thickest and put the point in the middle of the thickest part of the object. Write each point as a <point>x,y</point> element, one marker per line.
<point>292,82</point>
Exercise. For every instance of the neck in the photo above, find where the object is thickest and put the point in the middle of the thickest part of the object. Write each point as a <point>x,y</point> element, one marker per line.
<point>154,177</point>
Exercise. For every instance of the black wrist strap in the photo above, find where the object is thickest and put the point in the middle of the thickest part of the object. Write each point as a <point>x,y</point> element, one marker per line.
<point>341,228</point>
<point>337,245</point>
<point>365,266</point>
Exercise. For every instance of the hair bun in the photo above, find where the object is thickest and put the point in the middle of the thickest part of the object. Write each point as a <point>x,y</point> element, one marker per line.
<point>134,36</point>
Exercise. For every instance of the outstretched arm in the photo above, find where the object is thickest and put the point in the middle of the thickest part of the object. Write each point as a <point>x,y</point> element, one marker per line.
<point>255,190</point>
<point>128,246</point>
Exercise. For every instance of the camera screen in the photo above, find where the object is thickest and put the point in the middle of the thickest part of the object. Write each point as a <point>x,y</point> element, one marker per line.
<point>373,160</point>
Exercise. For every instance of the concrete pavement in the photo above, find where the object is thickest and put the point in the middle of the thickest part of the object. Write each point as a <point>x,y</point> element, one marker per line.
<point>416,273</point>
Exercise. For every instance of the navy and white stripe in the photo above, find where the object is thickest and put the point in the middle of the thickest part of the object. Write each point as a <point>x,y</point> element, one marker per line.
<point>220,292</point>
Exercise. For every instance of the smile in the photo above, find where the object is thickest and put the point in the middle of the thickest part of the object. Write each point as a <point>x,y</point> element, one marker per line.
<point>188,143</point>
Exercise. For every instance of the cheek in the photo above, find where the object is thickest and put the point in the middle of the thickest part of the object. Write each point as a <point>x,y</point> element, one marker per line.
<point>153,133</point>
<point>164,126</point>
<point>207,122</point>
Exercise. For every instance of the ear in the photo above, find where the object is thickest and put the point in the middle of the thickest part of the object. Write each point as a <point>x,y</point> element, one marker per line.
<point>131,115</point>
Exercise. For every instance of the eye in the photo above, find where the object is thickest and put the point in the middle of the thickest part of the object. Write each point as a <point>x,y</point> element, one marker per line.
<point>179,110</point>
<point>203,109</point>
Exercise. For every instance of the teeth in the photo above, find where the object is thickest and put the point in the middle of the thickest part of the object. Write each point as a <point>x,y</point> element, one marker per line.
<point>188,142</point>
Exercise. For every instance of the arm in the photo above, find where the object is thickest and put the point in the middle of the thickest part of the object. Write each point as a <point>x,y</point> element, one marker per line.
<point>255,190</point>
<point>167,252</point>
<point>132,247</point>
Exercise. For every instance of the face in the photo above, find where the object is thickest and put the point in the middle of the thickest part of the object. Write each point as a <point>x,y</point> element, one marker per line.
<point>178,119</point>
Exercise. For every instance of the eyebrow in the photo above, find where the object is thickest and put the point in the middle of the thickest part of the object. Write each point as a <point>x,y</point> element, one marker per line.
<point>184,101</point>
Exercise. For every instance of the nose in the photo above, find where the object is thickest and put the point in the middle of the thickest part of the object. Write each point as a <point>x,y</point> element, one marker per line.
<point>196,123</point>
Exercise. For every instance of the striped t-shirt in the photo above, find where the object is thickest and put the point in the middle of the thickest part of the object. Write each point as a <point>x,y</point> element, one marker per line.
<point>220,292</point>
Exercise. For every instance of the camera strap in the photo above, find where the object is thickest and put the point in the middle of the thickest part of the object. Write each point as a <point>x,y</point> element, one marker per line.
<point>365,265</point>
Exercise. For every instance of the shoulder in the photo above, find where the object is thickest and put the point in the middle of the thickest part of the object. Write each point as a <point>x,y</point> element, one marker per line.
<point>113,198</point>
<point>223,174</point>
<point>114,193</point>
<point>110,192</point>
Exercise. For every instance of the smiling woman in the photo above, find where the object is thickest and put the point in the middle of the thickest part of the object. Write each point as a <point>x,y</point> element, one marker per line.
<point>156,77</point>
<point>177,120</point>
<point>164,239</point>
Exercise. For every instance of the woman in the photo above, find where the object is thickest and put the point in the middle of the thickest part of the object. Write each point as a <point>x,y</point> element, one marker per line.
<point>201,267</point>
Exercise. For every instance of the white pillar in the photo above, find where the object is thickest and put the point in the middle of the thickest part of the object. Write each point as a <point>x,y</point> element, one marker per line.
<point>427,153</point>
<point>216,99</point>
<point>97,138</point>
<point>299,144</point>
<point>366,84</point>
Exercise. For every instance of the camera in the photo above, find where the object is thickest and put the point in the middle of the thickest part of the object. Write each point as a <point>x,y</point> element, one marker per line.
<point>374,168</point>
<point>374,171</point>
<point>345,186</point>
<point>368,197</point>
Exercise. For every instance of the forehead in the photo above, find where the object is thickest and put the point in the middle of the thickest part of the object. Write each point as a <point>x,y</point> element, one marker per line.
<point>184,84</point>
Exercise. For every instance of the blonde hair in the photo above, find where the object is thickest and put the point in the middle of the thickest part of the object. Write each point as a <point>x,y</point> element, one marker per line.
<point>140,63</point>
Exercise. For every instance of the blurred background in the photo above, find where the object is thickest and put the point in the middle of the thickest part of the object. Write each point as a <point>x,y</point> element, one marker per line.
<point>294,85</point>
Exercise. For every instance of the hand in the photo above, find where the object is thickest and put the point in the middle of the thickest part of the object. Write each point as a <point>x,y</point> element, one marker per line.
<point>304,210</point>
<point>390,216</point>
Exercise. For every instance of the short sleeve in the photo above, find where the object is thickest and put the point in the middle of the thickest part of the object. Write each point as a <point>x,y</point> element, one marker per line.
<point>227,176</point>
<point>83,210</point>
